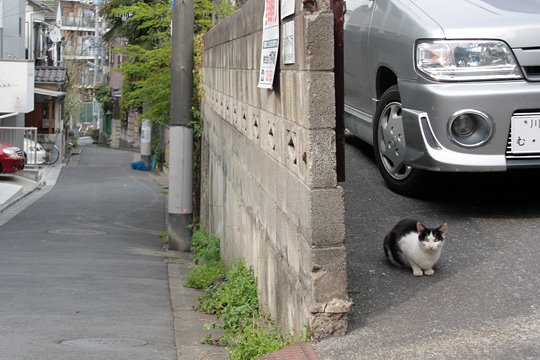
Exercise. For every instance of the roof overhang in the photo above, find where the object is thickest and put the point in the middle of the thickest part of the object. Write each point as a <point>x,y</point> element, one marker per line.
<point>48,92</point>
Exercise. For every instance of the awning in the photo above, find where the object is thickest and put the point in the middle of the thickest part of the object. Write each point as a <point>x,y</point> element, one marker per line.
<point>48,92</point>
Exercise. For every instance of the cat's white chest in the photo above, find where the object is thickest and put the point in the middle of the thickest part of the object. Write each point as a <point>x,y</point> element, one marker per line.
<point>412,251</point>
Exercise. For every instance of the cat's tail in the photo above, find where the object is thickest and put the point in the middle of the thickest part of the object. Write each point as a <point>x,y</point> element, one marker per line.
<point>391,250</point>
<point>389,256</point>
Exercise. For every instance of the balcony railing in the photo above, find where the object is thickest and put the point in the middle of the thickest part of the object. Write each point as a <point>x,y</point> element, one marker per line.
<point>78,22</point>
<point>80,51</point>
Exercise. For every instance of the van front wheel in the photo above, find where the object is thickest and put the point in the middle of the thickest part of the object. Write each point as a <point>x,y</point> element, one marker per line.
<point>389,144</point>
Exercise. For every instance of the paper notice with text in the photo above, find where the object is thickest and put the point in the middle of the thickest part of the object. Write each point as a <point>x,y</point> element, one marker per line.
<point>270,44</point>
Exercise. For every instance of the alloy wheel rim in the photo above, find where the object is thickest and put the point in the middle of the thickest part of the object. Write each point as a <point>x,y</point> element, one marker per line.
<point>391,139</point>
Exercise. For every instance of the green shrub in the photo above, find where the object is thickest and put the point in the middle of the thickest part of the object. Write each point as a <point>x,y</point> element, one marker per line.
<point>206,258</point>
<point>235,300</point>
<point>246,332</point>
<point>164,236</point>
<point>204,275</point>
<point>205,247</point>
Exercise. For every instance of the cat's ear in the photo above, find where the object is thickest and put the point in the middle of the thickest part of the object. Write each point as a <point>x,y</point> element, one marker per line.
<point>443,228</point>
<point>420,227</point>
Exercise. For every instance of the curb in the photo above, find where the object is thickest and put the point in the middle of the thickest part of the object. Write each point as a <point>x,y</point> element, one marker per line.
<point>13,201</point>
<point>188,324</point>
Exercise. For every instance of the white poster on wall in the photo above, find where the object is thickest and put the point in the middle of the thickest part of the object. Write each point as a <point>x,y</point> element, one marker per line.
<point>288,42</point>
<point>287,8</point>
<point>270,44</point>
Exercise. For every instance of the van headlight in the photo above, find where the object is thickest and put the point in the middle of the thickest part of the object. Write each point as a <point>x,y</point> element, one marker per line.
<point>466,60</point>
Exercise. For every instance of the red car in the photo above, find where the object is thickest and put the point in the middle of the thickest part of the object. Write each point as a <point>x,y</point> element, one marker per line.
<point>11,159</point>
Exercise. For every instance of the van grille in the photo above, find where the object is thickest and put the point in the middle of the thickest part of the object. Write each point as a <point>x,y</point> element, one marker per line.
<point>532,72</point>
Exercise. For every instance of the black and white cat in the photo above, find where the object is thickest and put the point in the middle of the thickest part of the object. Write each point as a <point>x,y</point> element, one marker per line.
<point>411,244</point>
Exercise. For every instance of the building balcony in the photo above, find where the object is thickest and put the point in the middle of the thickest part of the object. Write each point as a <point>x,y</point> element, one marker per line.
<point>16,86</point>
<point>79,52</point>
<point>78,22</point>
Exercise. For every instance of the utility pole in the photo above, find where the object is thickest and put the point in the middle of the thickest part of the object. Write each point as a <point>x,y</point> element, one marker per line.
<point>180,206</point>
<point>96,47</point>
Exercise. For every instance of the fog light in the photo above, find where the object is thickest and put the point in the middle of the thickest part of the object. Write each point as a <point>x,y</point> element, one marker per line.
<point>463,126</point>
<point>470,128</point>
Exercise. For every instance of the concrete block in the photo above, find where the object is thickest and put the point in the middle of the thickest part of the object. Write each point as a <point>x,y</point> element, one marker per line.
<point>269,133</point>
<point>321,159</point>
<point>253,125</point>
<point>327,212</point>
<point>321,216</point>
<point>330,318</point>
<point>303,149</point>
<point>308,98</point>
<point>271,101</point>
<point>319,41</point>
<point>293,146</point>
<point>299,95</point>
<point>329,271</point>
<point>251,58</point>
<point>321,109</point>
<point>254,96</point>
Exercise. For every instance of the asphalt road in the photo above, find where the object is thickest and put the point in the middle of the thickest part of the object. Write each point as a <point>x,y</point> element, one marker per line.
<point>82,272</point>
<point>482,302</point>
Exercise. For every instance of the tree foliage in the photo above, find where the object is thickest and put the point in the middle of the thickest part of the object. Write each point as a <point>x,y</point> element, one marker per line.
<point>146,25</point>
<point>103,94</point>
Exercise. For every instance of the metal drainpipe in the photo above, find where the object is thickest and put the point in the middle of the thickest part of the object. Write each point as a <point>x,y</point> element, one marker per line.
<point>338,9</point>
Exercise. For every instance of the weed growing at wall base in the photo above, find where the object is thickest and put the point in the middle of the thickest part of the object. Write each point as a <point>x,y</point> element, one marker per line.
<point>233,299</point>
<point>164,236</point>
<point>208,266</point>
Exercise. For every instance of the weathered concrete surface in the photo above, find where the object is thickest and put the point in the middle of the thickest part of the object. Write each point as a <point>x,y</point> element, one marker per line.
<point>269,188</point>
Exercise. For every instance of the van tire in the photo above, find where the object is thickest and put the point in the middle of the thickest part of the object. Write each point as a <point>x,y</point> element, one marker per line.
<point>389,147</point>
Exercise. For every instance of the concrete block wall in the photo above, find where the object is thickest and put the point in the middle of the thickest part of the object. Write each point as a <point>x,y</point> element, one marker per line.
<point>269,188</point>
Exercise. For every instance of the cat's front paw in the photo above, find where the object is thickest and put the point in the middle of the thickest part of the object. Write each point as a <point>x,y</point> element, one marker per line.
<point>429,272</point>
<point>418,272</point>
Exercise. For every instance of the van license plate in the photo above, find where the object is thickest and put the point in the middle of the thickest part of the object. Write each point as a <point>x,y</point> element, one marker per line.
<point>525,134</point>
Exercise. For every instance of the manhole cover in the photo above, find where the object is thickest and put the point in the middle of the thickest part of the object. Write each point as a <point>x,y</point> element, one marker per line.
<point>75,232</point>
<point>104,343</point>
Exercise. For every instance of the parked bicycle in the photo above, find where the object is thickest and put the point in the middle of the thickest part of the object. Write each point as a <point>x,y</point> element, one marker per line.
<point>51,150</point>
<point>42,152</point>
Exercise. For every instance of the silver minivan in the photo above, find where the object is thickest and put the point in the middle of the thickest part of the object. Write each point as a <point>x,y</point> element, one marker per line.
<point>443,85</point>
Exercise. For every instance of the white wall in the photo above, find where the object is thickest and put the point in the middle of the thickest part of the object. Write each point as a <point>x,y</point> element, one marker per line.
<point>13,19</point>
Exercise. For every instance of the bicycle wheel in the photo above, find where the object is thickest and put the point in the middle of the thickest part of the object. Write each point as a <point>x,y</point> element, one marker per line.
<point>54,155</point>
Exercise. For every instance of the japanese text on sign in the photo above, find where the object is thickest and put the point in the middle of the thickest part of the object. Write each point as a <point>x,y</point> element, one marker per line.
<point>270,44</point>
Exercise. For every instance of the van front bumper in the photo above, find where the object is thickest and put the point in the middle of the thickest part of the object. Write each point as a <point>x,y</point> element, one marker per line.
<point>428,107</point>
